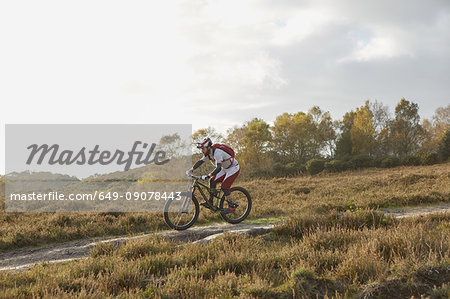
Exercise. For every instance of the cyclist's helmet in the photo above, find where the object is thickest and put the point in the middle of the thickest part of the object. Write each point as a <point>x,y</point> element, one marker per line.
<point>205,142</point>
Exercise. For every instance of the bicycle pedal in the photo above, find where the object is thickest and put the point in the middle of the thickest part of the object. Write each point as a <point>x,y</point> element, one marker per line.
<point>228,210</point>
<point>233,205</point>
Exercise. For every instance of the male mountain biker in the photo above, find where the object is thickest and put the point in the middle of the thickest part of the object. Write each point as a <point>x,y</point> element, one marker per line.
<point>226,171</point>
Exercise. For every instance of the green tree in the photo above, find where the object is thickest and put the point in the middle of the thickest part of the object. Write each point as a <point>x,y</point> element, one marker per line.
<point>406,131</point>
<point>293,137</point>
<point>444,147</point>
<point>301,136</point>
<point>344,143</point>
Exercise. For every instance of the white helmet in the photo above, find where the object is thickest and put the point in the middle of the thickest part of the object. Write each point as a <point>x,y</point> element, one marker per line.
<point>205,142</point>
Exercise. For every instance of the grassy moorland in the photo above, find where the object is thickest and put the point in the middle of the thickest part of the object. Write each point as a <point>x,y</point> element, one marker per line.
<point>331,244</point>
<point>345,255</point>
<point>279,197</point>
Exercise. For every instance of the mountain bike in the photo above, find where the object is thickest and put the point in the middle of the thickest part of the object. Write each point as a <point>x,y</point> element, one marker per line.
<point>182,212</point>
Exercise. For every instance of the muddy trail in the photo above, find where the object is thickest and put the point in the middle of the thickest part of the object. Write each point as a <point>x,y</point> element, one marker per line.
<point>24,258</point>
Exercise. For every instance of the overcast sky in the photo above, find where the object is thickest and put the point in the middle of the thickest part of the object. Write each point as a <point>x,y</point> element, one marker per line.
<point>217,63</point>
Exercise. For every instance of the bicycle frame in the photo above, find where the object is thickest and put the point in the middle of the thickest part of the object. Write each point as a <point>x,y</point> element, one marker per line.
<point>218,193</point>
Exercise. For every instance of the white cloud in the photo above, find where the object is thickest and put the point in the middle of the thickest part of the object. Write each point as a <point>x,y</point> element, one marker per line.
<point>217,62</point>
<point>254,71</point>
<point>378,47</point>
<point>303,24</point>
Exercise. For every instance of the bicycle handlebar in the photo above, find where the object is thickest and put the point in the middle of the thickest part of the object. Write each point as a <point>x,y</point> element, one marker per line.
<point>195,177</point>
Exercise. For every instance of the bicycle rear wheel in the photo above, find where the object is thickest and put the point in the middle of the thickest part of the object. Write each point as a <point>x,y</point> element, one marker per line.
<point>181,214</point>
<point>241,201</point>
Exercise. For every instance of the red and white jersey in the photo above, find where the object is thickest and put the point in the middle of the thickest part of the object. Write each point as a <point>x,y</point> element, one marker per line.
<point>221,156</point>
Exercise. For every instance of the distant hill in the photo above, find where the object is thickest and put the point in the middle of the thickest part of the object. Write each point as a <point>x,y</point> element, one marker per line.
<point>37,181</point>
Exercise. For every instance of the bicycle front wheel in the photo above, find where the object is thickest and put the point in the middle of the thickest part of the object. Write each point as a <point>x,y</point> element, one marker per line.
<point>240,201</point>
<point>180,214</point>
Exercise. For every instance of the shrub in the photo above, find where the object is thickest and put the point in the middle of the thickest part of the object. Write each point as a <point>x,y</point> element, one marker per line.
<point>335,166</point>
<point>257,173</point>
<point>390,161</point>
<point>314,166</point>
<point>292,168</point>
<point>349,165</point>
<point>430,159</point>
<point>302,168</point>
<point>278,168</point>
<point>289,169</point>
<point>362,161</point>
<point>377,161</point>
<point>411,160</point>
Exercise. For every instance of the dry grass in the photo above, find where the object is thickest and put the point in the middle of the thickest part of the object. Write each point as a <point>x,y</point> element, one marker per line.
<point>333,259</point>
<point>332,244</point>
<point>349,191</point>
<point>372,188</point>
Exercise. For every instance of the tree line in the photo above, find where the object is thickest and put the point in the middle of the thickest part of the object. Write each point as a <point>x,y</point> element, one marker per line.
<point>312,141</point>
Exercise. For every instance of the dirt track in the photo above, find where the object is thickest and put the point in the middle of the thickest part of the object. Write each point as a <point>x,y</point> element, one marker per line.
<point>417,211</point>
<point>21,259</point>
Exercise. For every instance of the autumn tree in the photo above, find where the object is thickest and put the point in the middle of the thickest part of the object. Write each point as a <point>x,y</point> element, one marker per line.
<point>235,137</point>
<point>257,135</point>
<point>206,132</point>
<point>293,137</point>
<point>256,140</point>
<point>435,129</point>
<point>173,145</point>
<point>362,132</point>
<point>199,134</point>
<point>250,142</point>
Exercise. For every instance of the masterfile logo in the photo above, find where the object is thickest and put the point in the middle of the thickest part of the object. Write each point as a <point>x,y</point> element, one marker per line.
<point>95,167</point>
<point>94,156</point>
